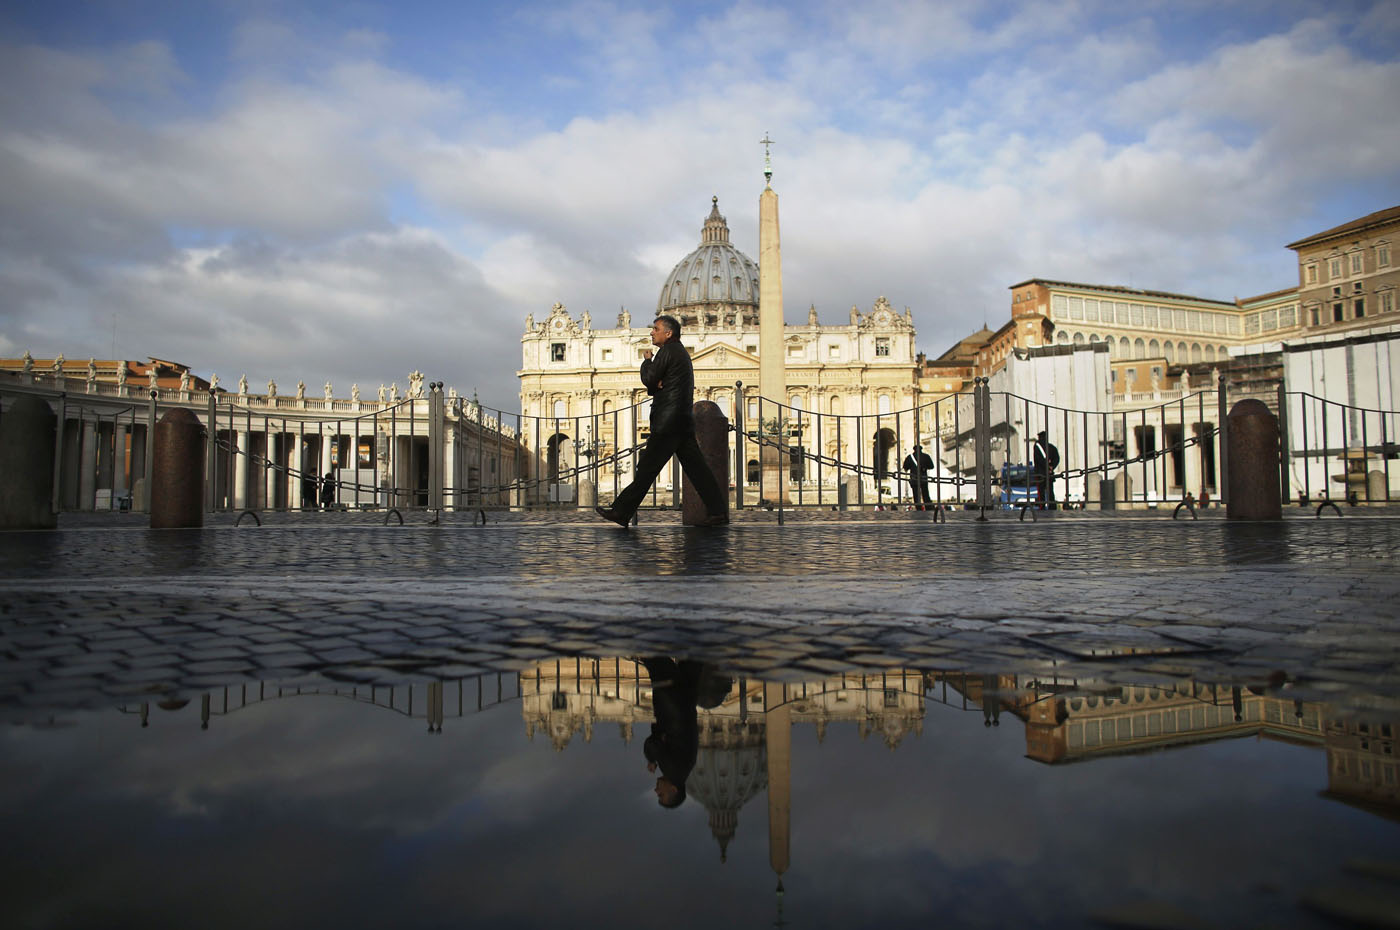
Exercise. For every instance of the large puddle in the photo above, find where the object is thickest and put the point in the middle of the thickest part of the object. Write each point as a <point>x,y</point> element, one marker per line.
<point>532,799</point>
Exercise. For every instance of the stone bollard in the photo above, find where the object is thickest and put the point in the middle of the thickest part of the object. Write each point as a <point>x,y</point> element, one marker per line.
<point>1252,470</point>
<point>587,493</point>
<point>1375,486</point>
<point>177,479</point>
<point>27,434</point>
<point>712,432</point>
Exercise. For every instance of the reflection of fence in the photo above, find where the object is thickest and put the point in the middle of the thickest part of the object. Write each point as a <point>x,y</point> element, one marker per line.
<point>432,701</point>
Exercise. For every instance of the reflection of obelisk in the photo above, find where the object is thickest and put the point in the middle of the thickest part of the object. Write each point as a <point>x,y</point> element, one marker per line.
<point>772,383</point>
<point>778,726</point>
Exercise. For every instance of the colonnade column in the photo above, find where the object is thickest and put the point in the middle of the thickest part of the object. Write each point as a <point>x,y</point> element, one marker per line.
<point>240,469</point>
<point>87,474</point>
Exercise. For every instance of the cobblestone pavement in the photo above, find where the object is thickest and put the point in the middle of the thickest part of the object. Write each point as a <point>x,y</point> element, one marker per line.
<point>106,609</point>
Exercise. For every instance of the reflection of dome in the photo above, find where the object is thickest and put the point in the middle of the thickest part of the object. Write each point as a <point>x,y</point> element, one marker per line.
<point>716,279</point>
<point>725,777</point>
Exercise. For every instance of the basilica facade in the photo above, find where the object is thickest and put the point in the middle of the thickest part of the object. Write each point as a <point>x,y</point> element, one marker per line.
<point>579,383</point>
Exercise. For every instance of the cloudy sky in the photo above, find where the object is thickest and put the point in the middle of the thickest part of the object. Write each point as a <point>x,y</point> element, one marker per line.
<point>348,191</point>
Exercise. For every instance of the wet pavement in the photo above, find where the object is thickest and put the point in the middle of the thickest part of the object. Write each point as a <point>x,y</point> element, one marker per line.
<point>1078,721</point>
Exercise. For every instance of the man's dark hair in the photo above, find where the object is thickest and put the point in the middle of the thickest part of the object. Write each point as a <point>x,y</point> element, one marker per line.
<point>673,324</point>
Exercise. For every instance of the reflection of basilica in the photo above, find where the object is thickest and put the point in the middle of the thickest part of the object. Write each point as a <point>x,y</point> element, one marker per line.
<point>745,738</point>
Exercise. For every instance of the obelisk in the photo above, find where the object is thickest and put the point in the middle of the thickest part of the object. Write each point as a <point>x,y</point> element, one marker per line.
<point>772,380</point>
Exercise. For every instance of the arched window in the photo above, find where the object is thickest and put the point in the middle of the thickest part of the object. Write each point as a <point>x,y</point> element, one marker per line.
<point>1154,349</point>
<point>752,472</point>
<point>1079,339</point>
<point>1124,349</point>
<point>561,408</point>
<point>1195,351</point>
<point>1210,353</point>
<point>836,406</point>
<point>884,402</point>
<point>1139,348</point>
<point>1062,337</point>
<point>1183,354</point>
<point>1170,352</point>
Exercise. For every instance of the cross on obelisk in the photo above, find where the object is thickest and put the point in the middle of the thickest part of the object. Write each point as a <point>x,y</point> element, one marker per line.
<point>767,160</point>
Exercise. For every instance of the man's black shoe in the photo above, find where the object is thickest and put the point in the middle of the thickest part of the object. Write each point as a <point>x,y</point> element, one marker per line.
<point>718,520</point>
<point>607,513</point>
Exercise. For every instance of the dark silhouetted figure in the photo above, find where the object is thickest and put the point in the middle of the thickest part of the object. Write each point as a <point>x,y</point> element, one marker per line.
<point>1045,458</point>
<point>670,380</point>
<point>675,736</point>
<point>918,464</point>
<point>328,491</point>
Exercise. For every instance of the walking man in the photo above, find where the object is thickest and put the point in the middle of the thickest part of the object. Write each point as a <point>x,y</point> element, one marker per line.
<point>1045,458</point>
<point>918,464</point>
<point>670,381</point>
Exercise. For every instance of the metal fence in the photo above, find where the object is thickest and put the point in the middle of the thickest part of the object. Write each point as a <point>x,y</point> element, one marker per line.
<point>435,453</point>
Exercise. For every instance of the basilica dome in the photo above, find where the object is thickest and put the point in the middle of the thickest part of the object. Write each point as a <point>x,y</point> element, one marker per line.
<point>715,282</point>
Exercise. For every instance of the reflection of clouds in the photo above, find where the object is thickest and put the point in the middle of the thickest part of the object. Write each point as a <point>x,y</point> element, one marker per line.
<point>348,813</point>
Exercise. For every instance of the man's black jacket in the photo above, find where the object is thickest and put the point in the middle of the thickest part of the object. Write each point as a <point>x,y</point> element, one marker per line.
<point>671,383</point>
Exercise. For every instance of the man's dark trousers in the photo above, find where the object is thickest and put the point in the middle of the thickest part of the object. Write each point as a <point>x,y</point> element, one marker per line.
<point>918,484</point>
<point>658,452</point>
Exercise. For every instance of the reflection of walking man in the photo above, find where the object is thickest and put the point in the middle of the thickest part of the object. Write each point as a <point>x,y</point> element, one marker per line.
<point>918,464</point>
<point>670,381</point>
<point>675,736</point>
<point>1046,459</point>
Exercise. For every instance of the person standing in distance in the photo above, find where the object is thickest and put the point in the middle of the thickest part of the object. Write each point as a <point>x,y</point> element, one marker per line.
<point>918,464</point>
<point>1045,458</point>
<point>670,381</point>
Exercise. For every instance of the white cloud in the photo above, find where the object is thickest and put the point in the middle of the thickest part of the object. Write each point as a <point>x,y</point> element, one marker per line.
<point>335,215</point>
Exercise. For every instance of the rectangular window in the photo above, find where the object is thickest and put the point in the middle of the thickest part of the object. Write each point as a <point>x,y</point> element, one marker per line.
<point>1251,324</point>
<point>366,452</point>
<point>751,349</point>
<point>1091,310</point>
<point>794,351</point>
<point>1313,317</point>
<point>556,351</point>
<point>1358,307</point>
<point>1356,262</point>
<point>1151,317</point>
<point>1387,301</point>
<point>1137,314</point>
<point>882,347</point>
<point>1122,314</point>
<point>1076,308</point>
<point>1193,321</point>
<point>1311,274</point>
<point>1181,321</point>
<point>1356,288</point>
<point>1287,316</point>
<point>1057,306</point>
<point>1338,313</point>
<point>607,355</point>
<point>1334,268</point>
<point>833,351</point>
<point>1382,256</point>
<point>1268,320</point>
